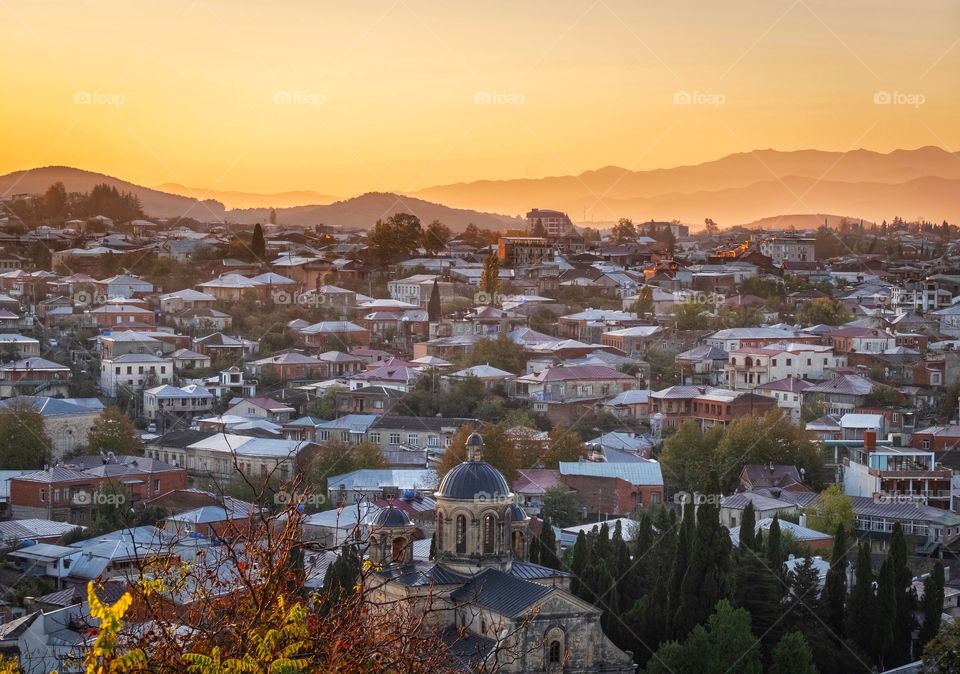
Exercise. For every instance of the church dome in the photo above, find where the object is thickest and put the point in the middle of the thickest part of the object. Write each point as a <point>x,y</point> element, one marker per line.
<point>474,480</point>
<point>517,514</point>
<point>391,516</point>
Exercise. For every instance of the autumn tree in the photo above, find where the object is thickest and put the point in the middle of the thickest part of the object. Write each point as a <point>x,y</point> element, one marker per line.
<point>24,444</point>
<point>624,231</point>
<point>113,431</point>
<point>644,305</point>
<point>490,278</point>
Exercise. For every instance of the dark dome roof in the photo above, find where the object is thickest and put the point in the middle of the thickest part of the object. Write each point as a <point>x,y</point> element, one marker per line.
<point>517,514</point>
<point>474,480</point>
<point>390,516</point>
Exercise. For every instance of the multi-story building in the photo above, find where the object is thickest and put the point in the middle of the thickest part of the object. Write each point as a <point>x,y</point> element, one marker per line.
<point>172,403</point>
<point>134,371</point>
<point>556,223</point>
<point>518,251</point>
<point>415,290</point>
<point>706,405</point>
<point>862,340</point>
<point>34,376</point>
<point>792,248</point>
<point>750,367</point>
<point>896,474</point>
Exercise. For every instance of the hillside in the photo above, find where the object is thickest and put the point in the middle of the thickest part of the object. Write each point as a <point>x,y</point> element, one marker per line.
<point>154,202</point>
<point>366,209</point>
<point>235,199</point>
<point>604,192</point>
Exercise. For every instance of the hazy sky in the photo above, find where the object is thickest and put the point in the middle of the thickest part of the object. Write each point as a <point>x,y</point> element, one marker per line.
<point>348,97</point>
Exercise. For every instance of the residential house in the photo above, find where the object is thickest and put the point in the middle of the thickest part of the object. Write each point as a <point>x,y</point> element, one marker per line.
<point>123,285</point>
<point>263,408</point>
<point>111,316</point>
<point>32,376</point>
<point>610,489</point>
<point>172,404</point>
<point>134,371</point>
<point>66,421</point>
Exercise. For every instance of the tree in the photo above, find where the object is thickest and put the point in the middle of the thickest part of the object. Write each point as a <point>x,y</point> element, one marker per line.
<point>941,655</point>
<point>578,563</point>
<point>24,444</point>
<point>113,431</point>
<point>490,278</point>
<point>835,586</point>
<point>547,546</point>
<point>860,607</point>
<point>710,227</point>
<point>724,644</point>
<point>690,316</point>
<point>792,656</point>
<point>258,245</point>
<point>397,238</point>
<point>502,353</point>
<point>562,445</point>
<point>624,231</point>
<point>644,305</point>
<point>932,603</point>
<point>434,311</point>
<point>904,595</point>
<point>498,451</point>
<point>273,216</point>
<point>834,509</point>
<point>689,455</point>
<point>337,458</point>
<point>825,310</point>
<point>774,546</point>
<point>707,579</point>
<point>771,438</point>
<point>748,527</point>
<point>560,505</point>
<point>539,229</point>
<point>435,237</point>
<point>885,619</point>
<point>55,201</point>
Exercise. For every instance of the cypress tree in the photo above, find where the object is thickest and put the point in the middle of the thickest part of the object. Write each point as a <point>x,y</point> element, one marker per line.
<point>932,603</point>
<point>547,546</point>
<point>258,245</point>
<point>835,586</point>
<point>681,560</point>
<point>707,579</point>
<point>860,608</point>
<point>433,306</point>
<point>748,528</point>
<point>905,596</point>
<point>759,592</point>
<point>433,546</point>
<point>774,547</point>
<point>578,564</point>
<point>884,622</point>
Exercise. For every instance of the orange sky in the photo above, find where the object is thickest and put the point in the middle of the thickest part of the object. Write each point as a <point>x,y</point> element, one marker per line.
<point>398,95</point>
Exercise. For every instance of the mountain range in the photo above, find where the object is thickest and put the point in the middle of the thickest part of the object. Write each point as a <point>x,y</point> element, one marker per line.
<point>744,188</point>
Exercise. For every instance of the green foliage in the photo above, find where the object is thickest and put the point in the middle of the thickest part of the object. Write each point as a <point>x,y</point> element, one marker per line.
<point>723,645</point>
<point>502,353</point>
<point>835,586</point>
<point>397,238</point>
<point>624,231</point>
<point>835,509</point>
<point>24,444</point>
<point>490,278</point>
<point>337,458</point>
<point>690,316</point>
<point>689,456</point>
<point>933,588</point>
<point>825,310</point>
<point>560,506</point>
<point>435,237</point>
<point>792,656</point>
<point>941,655</point>
<point>644,305</point>
<point>861,606</point>
<point>113,431</point>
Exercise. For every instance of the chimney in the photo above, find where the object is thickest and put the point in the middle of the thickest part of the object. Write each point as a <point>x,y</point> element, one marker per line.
<point>803,520</point>
<point>869,440</point>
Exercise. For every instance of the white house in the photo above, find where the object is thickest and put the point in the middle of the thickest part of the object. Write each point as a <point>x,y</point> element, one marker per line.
<point>134,371</point>
<point>123,285</point>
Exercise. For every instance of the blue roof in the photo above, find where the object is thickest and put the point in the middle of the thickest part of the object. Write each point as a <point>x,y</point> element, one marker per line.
<point>638,474</point>
<point>374,478</point>
<point>358,423</point>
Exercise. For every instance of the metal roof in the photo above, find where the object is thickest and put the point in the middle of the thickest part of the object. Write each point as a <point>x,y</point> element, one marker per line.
<point>638,474</point>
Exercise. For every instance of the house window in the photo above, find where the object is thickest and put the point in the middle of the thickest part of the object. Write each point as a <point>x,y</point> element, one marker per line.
<point>488,528</point>
<point>413,439</point>
<point>554,652</point>
<point>433,441</point>
<point>375,437</point>
<point>394,438</point>
<point>924,444</point>
<point>461,534</point>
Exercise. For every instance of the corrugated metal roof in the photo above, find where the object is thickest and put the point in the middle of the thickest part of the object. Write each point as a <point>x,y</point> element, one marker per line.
<point>647,473</point>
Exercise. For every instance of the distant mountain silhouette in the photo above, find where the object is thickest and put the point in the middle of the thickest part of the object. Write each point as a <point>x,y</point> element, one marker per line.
<point>366,209</point>
<point>154,202</point>
<point>235,199</point>
<point>738,188</point>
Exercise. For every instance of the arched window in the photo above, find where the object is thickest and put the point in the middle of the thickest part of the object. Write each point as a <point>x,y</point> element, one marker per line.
<point>488,529</point>
<point>555,652</point>
<point>398,549</point>
<point>461,534</point>
<point>518,545</point>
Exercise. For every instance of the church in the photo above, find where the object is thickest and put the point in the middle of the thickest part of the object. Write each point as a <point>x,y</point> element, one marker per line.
<point>492,606</point>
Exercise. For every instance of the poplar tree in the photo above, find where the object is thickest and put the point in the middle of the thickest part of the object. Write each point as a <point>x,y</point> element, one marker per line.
<point>885,617</point>
<point>835,586</point>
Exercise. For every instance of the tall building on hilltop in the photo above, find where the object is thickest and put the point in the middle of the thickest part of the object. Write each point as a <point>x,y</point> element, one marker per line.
<point>490,604</point>
<point>555,223</point>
